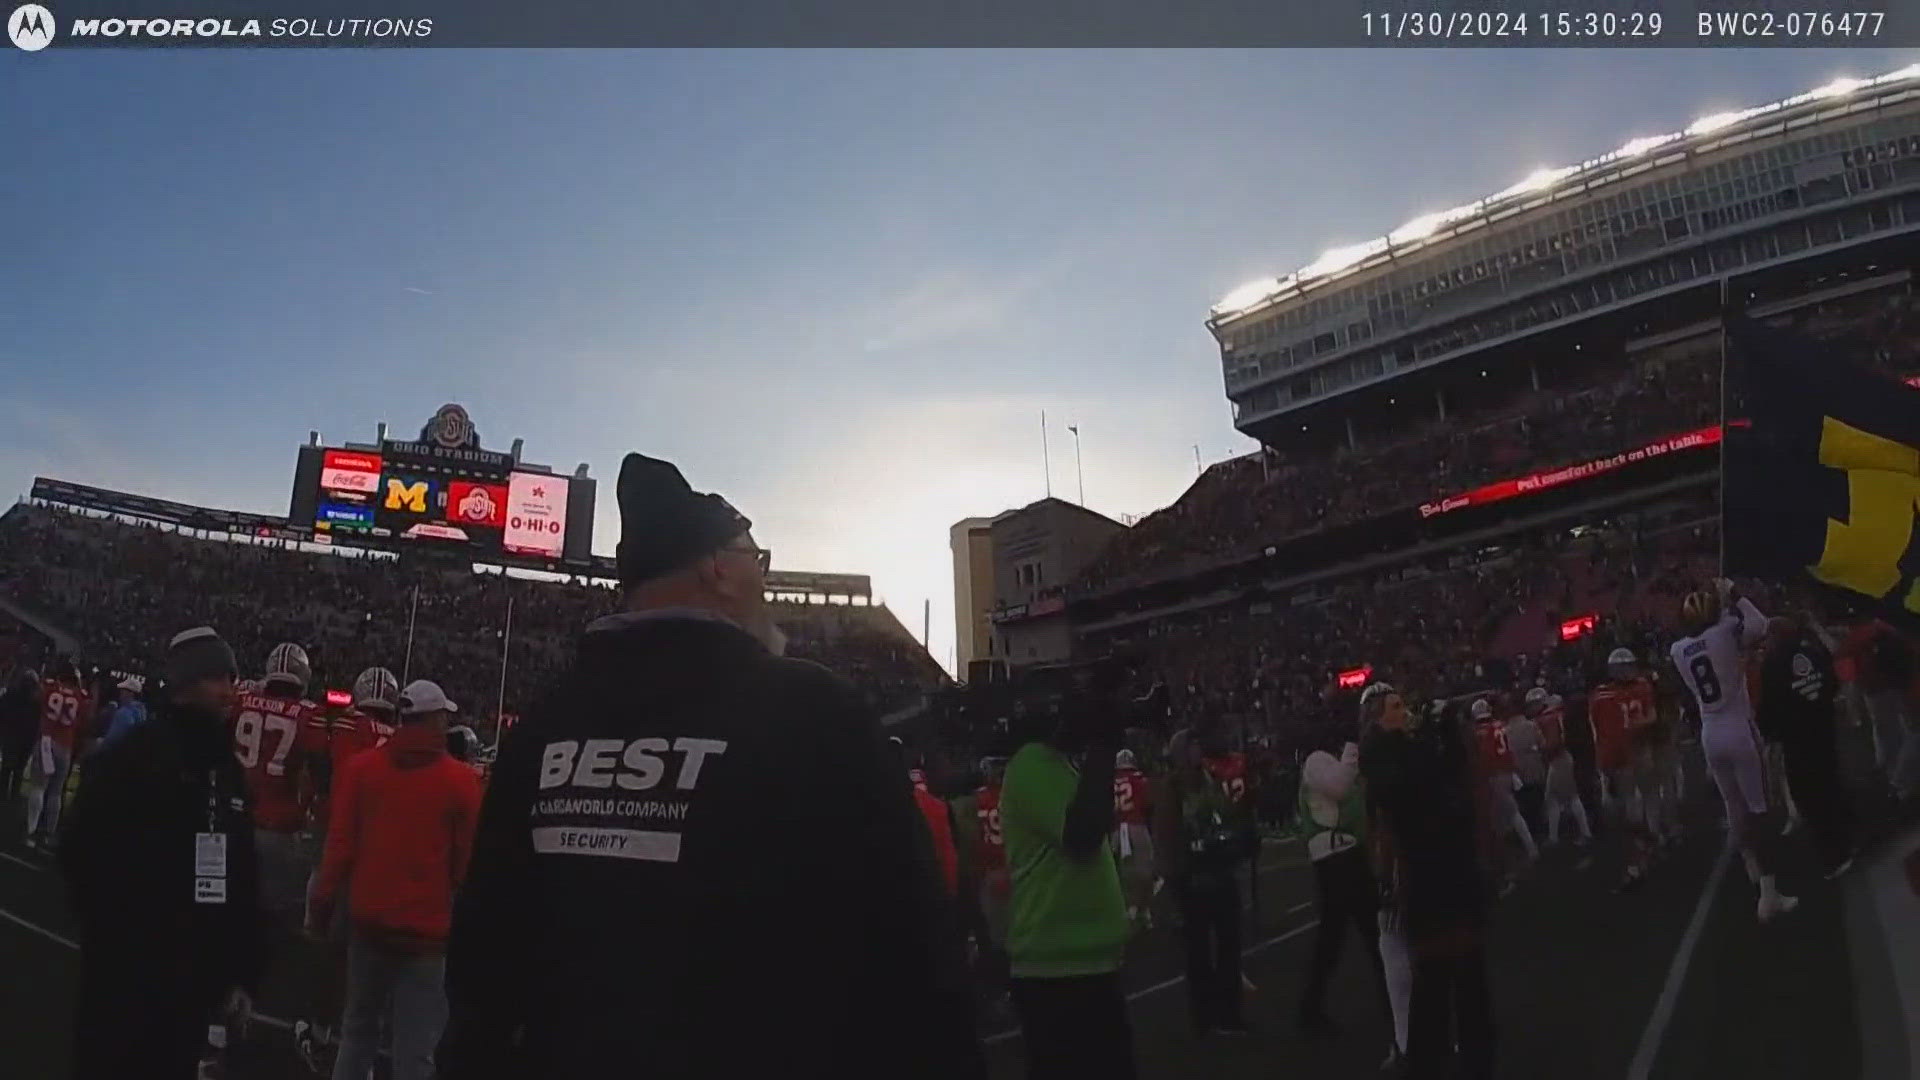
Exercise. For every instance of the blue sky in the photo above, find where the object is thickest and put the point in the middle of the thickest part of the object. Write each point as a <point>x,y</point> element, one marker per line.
<point>838,287</point>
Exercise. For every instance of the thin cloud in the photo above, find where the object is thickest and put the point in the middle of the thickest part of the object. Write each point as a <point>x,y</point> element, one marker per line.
<point>421,292</point>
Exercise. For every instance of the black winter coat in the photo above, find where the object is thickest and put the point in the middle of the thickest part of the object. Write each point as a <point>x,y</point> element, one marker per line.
<point>697,859</point>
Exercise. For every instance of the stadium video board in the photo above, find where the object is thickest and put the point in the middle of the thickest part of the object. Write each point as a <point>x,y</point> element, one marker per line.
<point>442,489</point>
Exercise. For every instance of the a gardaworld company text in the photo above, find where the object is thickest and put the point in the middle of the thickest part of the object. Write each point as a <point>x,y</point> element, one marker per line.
<point>352,29</point>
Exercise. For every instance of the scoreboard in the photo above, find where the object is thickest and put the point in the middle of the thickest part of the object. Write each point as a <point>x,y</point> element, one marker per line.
<point>442,489</point>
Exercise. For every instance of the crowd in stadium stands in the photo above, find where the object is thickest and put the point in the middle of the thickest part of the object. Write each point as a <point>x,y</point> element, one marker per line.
<point>123,589</point>
<point>1462,622</point>
<point>1238,507</point>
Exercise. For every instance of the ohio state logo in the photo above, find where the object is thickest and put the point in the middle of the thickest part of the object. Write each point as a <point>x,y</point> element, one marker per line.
<point>477,505</point>
<point>451,427</point>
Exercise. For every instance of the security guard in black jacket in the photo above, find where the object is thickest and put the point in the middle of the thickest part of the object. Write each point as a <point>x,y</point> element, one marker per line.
<point>696,858</point>
<point>1798,685</point>
<point>158,855</point>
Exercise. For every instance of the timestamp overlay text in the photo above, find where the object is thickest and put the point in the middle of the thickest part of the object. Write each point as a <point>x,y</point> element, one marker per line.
<point>61,25</point>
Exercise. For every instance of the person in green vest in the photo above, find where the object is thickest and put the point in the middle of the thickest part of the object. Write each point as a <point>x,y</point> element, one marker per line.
<point>1068,927</point>
<point>1332,821</point>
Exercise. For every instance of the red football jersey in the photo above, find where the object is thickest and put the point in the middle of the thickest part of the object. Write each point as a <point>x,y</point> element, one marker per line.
<point>353,733</point>
<point>1553,733</point>
<point>1616,710</point>
<point>993,845</point>
<point>1490,737</point>
<point>271,737</point>
<point>1132,801</point>
<point>61,707</point>
<point>1230,772</point>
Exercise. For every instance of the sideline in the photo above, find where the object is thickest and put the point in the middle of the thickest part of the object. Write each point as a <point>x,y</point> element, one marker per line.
<point>1003,1036</point>
<point>1883,922</point>
<point>258,1018</point>
<point>1656,1029</point>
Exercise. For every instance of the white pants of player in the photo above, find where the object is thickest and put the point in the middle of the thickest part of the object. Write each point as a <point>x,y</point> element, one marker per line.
<point>1506,812</point>
<point>1399,971</point>
<point>1133,850</point>
<point>1895,749</point>
<point>1563,797</point>
<point>1734,761</point>
<point>1659,802</point>
<point>51,763</point>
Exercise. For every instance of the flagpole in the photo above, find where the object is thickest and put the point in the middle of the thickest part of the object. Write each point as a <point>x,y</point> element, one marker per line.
<point>1726,314</point>
<point>406,666</point>
<point>506,642</point>
<point>1046,462</point>
<point>1078,474</point>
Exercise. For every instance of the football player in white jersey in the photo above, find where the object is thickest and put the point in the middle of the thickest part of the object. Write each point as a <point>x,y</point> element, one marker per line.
<point>1720,625</point>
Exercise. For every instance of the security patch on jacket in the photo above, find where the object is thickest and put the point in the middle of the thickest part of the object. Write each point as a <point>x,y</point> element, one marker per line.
<point>619,798</point>
<point>1807,682</point>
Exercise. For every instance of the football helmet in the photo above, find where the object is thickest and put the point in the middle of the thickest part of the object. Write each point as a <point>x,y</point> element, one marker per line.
<point>376,688</point>
<point>1620,664</point>
<point>1536,700</point>
<point>1701,608</point>
<point>287,665</point>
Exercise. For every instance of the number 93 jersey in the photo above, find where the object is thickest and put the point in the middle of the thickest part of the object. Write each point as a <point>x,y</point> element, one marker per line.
<point>1709,665</point>
<point>271,737</point>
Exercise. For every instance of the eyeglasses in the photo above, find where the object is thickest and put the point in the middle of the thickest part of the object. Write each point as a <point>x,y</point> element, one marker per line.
<point>763,556</point>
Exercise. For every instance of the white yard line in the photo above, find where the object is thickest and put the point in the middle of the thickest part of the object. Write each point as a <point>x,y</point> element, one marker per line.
<point>38,929</point>
<point>1656,1029</point>
<point>261,1018</point>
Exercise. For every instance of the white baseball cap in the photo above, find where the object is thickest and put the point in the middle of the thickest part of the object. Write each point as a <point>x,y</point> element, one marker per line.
<point>424,696</point>
<point>132,682</point>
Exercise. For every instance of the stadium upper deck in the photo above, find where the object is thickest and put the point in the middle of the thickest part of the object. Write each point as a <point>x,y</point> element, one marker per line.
<point>1834,170</point>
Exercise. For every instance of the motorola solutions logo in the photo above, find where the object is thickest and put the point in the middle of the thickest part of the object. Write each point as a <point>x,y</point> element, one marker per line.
<point>31,27</point>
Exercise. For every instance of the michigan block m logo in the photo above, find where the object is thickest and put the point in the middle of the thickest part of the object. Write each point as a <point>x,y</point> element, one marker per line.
<point>411,498</point>
<point>1863,553</point>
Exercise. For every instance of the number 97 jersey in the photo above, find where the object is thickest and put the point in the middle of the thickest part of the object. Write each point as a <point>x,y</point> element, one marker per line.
<point>271,739</point>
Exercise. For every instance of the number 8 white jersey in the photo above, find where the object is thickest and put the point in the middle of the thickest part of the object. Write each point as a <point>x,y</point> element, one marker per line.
<point>1709,664</point>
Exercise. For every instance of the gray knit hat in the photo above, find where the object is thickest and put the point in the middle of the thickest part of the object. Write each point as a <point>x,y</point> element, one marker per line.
<point>199,653</point>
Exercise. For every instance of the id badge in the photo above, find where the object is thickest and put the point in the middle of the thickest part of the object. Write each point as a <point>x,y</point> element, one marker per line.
<point>209,890</point>
<point>210,856</point>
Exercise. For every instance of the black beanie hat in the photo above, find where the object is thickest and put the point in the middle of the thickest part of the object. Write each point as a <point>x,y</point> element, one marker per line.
<point>196,654</point>
<point>664,523</point>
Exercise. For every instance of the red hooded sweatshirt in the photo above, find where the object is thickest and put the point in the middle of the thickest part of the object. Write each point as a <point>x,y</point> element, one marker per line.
<point>935,812</point>
<point>400,832</point>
